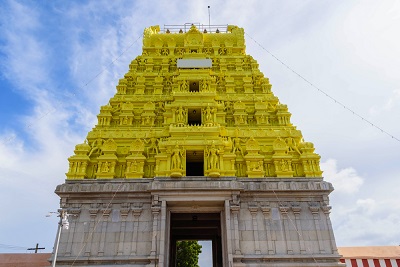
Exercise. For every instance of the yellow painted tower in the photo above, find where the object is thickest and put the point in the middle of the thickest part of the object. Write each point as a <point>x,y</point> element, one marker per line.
<point>194,104</point>
<point>194,145</point>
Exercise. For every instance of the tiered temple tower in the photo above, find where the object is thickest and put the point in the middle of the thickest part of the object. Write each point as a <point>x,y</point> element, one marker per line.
<point>194,145</point>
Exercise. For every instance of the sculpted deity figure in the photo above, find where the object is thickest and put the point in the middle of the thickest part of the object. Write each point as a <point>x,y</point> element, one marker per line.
<point>106,167</point>
<point>284,165</point>
<point>262,119</point>
<point>208,114</point>
<point>228,106</point>
<point>228,143</point>
<point>204,86</point>
<point>153,148</point>
<point>96,146</point>
<point>271,106</point>
<point>258,166</point>
<point>181,115</point>
<point>237,146</point>
<point>184,86</point>
<point>241,119</point>
<point>177,154</point>
<point>291,143</point>
<point>212,154</point>
<point>134,166</point>
<point>147,120</point>
<point>116,108</point>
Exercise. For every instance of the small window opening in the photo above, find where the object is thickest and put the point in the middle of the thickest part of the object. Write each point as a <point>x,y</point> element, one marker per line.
<point>194,163</point>
<point>194,86</point>
<point>194,116</point>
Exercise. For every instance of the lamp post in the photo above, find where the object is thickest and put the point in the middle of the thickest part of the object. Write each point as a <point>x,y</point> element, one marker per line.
<point>63,224</point>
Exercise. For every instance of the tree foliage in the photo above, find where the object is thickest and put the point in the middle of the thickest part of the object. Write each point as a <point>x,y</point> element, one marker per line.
<point>187,253</point>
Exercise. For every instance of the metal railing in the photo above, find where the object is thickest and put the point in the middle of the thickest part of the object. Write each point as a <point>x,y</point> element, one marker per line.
<point>201,27</point>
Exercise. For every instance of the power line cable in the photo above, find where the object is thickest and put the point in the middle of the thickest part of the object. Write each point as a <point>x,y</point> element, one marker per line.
<point>323,92</point>
<point>12,247</point>
<point>307,245</point>
<point>101,219</point>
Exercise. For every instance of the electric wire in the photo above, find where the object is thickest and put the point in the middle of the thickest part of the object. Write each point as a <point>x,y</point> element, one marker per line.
<point>297,230</point>
<point>301,237</point>
<point>112,62</point>
<point>12,247</point>
<point>323,92</point>
<point>101,219</point>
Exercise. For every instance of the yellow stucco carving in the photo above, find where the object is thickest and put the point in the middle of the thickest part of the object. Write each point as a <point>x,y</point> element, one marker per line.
<point>213,121</point>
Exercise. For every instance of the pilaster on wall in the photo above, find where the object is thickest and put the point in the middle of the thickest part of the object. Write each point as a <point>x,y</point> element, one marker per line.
<point>124,211</point>
<point>235,208</point>
<point>253,208</point>
<point>104,220</point>
<point>155,210</point>
<point>265,220</point>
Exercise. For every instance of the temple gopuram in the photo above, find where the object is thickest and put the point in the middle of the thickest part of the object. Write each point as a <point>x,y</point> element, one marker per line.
<point>195,146</point>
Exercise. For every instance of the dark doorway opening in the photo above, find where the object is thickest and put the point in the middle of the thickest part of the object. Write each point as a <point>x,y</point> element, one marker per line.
<point>194,86</point>
<point>194,116</point>
<point>194,163</point>
<point>196,226</point>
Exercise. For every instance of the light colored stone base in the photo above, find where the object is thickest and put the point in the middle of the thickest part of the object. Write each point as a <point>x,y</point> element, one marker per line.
<point>264,221</point>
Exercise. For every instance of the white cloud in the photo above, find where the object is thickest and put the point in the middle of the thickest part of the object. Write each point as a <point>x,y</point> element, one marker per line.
<point>367,222</point>
<point>391,103</point>
<point>344,180</point>
<point>394,101</point>
<point>32,162</point>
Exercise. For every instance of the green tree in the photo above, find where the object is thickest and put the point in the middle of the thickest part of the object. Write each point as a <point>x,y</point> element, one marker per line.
<point>187,253</point>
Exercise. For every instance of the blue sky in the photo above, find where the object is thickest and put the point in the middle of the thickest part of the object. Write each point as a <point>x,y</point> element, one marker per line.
<point>61,60</point>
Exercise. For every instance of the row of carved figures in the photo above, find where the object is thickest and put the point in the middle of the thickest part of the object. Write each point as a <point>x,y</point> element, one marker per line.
<point>253,163</point>
<point>236,145</point>
<point>229,106</point>
<point>241,168</point>
<point>221,84</point>
<point>208,118</point>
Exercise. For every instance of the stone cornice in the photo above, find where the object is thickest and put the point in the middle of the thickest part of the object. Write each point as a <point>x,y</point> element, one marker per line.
<point>259,185</point>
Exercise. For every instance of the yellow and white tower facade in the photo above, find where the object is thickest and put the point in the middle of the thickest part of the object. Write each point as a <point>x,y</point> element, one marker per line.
<point>194,145</point>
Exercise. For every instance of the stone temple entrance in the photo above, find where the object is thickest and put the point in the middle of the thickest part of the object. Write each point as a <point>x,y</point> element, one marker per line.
<point>196,226</point>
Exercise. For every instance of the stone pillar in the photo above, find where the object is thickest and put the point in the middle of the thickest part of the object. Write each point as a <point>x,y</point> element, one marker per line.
<point>136,214</point>
<point>74,213</point>
<point>327,210</point>
<point>155,210</point>
<point>284,211</point>
<point>229,257</point>
<point>161,239</point>
<point>235,212</point>
<point>253,211</point>
<point>124,214</point>
<point>314,208</point>
<point>89,235</point>
<point>270,244</point>
<point>106,214</point>
<point>296,210</point>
